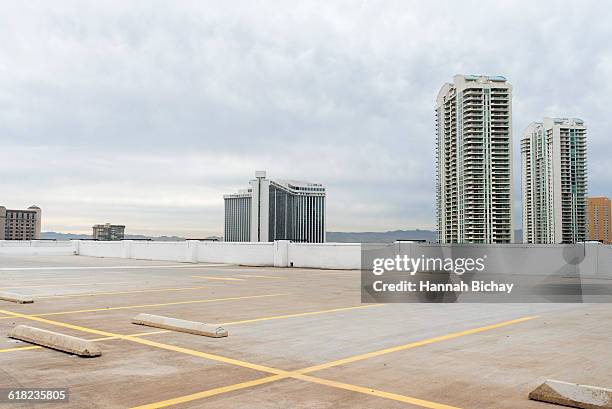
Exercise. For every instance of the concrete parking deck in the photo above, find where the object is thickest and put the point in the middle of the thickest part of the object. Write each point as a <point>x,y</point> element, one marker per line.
<point>297,338</point>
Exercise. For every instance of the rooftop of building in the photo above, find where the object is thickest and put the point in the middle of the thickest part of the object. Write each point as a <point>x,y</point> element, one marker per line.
<point>281,320</point>
<point>31,208</point>
<point>461,81</point>
<point>290,184</point>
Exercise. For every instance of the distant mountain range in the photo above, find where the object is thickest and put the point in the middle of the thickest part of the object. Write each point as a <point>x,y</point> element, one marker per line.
<point>332,236</point>
<point>380,237</point>
<point>391,236</point>
<point>51,235</point>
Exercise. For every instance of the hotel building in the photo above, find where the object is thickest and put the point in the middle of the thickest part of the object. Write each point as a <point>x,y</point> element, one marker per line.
<point>474,160</point>
<point>272,210</point>
<point>554,181</point>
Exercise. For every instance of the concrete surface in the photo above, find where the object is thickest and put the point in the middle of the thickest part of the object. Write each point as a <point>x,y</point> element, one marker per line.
<point>300,339</point>
<point>55,340</point>
<point>573,395</point>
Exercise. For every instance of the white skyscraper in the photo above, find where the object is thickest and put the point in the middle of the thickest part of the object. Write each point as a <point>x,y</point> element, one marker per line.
<point>276,210</point>
<point>474,160</point>
<point>553,181</point>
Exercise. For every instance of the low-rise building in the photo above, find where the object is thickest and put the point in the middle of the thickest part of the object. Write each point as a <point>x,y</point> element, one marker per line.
<point>108,232</point>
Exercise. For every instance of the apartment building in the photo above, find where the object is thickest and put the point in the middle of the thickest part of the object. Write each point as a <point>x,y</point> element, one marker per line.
<point>272,210</point>
<point>598,219</point>
<point>20,224</point>
<point>554,181</point>
<point>108,232</point>
<point>474,160</point>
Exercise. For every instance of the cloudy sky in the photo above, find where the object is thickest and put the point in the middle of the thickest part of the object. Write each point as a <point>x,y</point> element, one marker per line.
<point>145,113</point>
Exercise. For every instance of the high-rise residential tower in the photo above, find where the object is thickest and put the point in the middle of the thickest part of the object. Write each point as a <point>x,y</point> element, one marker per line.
<point>20,224</point>
<point>276,210</point>
<point>598,219</point>
<point>474,160</point>
<point>554,181</point>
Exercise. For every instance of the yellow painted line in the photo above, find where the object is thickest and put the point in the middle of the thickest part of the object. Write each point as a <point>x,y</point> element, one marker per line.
<point>411,345</point>
<point>19,349</point>
<point>160,345</point>
<point>144,334</point>
<point>280,374</point>
<point>25,348</point>
<point>129,307</point>
<point>206,355</point>
<point>211,392</point>
<point>300,374</point>
<point>375,392</point>
<point>219,278</point>
<point>152,290</point>
<point>277,317</point>
<point>66,285</point>
<point>60,324</point>
<point>258,276</point>
<point>301,314</point>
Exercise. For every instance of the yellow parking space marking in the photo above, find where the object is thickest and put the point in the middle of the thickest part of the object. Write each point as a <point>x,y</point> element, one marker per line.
<point>219,278</point>
<point>259,276</point>
<point>206,355</point>
<point>25,348</point>
<point>301,314</point>
<point>130,307</point>
<point>59,324</point>
<point>186,351</point>
<point>374,392</point>
<point>307,378</point>
<point>152,290</point>
<point>19,348</point>
<point>300,374</point>
<point>281,374</point>
<point>412,345</point>
<point>278,317</point>
<point>66,285</point>
<point>211,392</point>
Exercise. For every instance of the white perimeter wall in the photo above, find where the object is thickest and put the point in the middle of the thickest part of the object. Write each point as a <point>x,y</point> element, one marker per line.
<point>324,255</point>
<point>36,248</point>
<point>508,259</point>
<point>249,254</point>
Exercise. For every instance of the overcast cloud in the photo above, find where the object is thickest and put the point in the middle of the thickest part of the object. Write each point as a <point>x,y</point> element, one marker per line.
<point>146,113</point>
